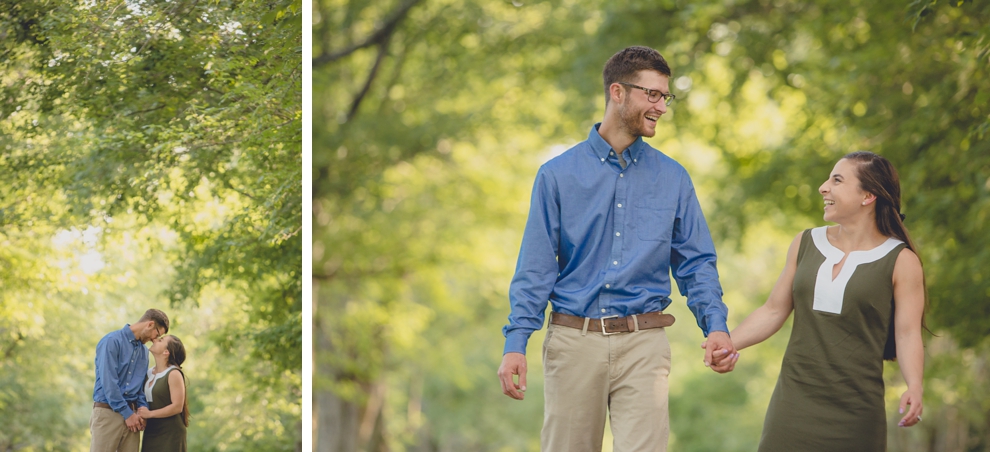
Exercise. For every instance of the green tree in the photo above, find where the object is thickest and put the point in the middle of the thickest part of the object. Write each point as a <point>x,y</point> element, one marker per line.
<point>412,96</point>
<point>182,118</point>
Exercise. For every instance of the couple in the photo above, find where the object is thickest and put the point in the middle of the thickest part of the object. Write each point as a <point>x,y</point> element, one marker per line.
<point>129,397</point>
<point>612,217</point>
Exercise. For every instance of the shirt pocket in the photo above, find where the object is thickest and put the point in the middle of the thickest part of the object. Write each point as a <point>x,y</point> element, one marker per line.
<point>653,225</point>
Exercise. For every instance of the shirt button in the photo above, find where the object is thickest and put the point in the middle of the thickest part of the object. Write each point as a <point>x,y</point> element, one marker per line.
<point>620,205</point>
<point>608,286</point>
<point>603,310</point>
<point>603,160</point>
<point>615,262</point>
<point>634,160</point>
<point>611,153</point>
<point>617,234</point>
<point>622,175</point>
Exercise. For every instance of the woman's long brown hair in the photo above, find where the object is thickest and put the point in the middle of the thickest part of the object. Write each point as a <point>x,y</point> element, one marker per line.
<point>176,356</point>
<point>879,177</point>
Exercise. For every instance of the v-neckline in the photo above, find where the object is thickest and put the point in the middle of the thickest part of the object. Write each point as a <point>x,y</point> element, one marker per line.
<point>829,291</point>
<point>846,255</point>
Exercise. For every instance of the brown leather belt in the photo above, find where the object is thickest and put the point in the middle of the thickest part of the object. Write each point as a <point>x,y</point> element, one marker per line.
<point>614,324</point>
<point>107,405</point>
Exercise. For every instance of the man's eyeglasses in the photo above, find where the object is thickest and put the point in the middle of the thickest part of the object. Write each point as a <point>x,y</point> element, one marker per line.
<point>652,94</point>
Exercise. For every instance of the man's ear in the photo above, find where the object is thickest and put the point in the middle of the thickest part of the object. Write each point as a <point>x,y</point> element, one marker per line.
<point>616,92</point>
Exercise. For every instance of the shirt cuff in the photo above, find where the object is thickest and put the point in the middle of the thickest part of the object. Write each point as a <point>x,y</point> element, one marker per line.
<point>716,323</point>
<point>127,412</point>
<point>516,342</point>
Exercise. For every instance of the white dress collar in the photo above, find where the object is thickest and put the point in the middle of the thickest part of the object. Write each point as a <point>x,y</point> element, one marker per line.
<point>828,292</point>
<point>152,379</point>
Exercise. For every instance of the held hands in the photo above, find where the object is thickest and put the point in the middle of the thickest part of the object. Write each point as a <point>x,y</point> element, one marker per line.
<point>513,364</point>
<point>911,397</point>
<point>135,423</point>
<point>144,412</point>
<point>720,354</point>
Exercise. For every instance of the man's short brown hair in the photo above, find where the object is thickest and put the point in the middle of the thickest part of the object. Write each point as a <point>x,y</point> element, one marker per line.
<point>624,65</point>
<point>158,316</point>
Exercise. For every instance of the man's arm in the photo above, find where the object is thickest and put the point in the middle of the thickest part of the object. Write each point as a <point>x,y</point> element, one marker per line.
<point>692,263</point>
<point>536,274</point>
<point>106,362</point>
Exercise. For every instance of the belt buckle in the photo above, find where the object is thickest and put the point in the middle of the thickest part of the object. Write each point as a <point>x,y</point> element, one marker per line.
<point>604,330</point>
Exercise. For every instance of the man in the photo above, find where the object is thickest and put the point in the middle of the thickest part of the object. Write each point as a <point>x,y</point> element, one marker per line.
<point>609,220</point>
<point>121,365</point>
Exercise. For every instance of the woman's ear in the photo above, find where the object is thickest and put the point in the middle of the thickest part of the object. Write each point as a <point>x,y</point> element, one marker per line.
<point>869,199</point>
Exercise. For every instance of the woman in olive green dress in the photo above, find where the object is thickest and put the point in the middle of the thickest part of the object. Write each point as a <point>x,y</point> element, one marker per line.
<point>165,389</point>
<point>858,294</point>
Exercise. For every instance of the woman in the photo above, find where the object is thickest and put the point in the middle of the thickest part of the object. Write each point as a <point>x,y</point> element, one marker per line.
<point>858,294</point>
<point>165,390</point>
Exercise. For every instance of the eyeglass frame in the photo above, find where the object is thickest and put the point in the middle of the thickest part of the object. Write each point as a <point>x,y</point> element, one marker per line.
<point>667,97</point>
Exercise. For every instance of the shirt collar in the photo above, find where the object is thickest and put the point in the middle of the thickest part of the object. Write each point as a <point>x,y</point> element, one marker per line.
<point>601,148</point>
<point>128,334</point>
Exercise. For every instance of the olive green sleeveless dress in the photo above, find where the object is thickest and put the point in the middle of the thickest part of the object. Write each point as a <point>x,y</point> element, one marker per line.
<point>164,434</point>
<point>829,396</point>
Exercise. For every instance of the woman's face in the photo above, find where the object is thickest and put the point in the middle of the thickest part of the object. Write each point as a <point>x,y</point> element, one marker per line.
<point>841,193</point>
<point>158,346</point>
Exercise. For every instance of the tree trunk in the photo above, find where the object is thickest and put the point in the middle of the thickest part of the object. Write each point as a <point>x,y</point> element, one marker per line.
<point>337,427</point>
<point>336,420</point>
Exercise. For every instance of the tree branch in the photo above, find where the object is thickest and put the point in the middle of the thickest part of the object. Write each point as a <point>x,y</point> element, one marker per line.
<point>145,111</point>
<point>379,37</point>
<point>382,50</point>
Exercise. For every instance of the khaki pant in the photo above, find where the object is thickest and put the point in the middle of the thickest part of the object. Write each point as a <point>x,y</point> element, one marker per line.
<point>110,433</point>
<point>589,375</point>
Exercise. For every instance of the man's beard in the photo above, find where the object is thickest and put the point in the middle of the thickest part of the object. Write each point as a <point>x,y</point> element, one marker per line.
<point>632,123</point>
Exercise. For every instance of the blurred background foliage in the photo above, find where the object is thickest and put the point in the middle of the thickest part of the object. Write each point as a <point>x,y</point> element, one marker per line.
<point>150,156</point>
<point>432,116</point>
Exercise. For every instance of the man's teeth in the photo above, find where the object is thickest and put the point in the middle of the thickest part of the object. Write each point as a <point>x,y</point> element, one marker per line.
<point>652,118</point>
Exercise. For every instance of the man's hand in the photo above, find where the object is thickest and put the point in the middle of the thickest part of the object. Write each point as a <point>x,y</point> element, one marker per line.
<point>135,423</point>
<point>513,364</point>
<point>720,354</point>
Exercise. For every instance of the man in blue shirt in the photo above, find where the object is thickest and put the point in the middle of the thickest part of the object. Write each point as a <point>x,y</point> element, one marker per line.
<point>609,220</point>
<point>121,366</point>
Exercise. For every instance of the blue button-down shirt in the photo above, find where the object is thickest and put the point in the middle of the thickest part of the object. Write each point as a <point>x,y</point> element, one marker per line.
<point>602,241</point>
<point>121,365</point>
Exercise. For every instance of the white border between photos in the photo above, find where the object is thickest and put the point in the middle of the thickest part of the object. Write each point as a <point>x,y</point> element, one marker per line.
<point>307,226</point>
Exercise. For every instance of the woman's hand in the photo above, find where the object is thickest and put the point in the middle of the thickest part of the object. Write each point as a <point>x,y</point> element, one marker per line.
<point>911,397</point>
<point>144,412</point>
